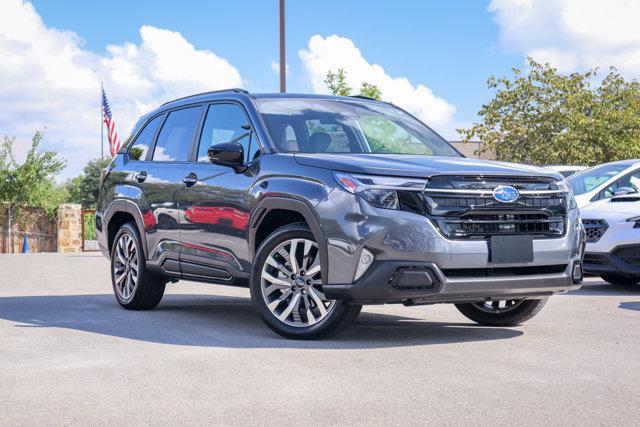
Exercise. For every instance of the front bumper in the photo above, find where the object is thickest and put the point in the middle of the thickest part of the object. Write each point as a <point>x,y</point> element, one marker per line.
<point>623,259</point>
<point>380,285</point>
<point>401,240</point>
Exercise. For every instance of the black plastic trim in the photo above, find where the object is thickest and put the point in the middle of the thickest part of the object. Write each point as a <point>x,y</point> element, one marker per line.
<point>269,203</point>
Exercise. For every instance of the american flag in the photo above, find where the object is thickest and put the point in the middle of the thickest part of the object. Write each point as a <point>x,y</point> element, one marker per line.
<point>114,141</point>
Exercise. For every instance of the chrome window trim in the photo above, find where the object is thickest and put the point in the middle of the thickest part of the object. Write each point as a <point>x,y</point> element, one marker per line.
<point>489,192</point>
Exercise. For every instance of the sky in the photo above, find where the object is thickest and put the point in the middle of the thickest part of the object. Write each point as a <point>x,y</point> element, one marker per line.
<point>430,57</point>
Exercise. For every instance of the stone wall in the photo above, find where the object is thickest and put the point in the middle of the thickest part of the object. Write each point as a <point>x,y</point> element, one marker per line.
<point>16,223</point>
<point>69,228</point>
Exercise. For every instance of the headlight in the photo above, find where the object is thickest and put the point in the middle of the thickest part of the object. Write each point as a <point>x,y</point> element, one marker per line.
<point>635,219</point>
<point>379,191</point>
<point>563,185</point>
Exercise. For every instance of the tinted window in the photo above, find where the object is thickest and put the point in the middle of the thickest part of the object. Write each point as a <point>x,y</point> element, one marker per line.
<point>138,150</point>
<point>224,123</point>
<point>327,137</point>
<point>176,136</point>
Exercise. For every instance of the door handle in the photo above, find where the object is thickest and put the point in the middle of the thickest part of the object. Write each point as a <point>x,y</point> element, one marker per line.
<point>190,179</point>
<point>141,176</point>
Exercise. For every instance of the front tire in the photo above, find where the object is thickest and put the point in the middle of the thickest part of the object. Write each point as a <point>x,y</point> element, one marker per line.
<point>133,286</point>
<point>286,287</point>
<point>619,280</point>
<point>502,313</point>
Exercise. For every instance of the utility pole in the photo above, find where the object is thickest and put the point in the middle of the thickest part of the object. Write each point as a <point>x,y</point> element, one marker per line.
<point>283,64</point>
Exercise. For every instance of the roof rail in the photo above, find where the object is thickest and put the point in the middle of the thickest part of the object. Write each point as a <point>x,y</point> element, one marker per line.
<point>363,97</point>
<point>235,89</point>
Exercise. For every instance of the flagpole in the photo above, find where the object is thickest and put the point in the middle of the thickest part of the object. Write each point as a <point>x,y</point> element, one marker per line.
<point>101,124</point>
<point>283,63</point>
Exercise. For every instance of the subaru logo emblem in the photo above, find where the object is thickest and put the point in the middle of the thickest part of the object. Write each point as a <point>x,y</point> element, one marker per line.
<point>505,194</point>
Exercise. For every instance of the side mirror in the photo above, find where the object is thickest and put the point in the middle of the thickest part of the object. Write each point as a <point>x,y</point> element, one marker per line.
<point>227,154</point>
<point>623,191</point>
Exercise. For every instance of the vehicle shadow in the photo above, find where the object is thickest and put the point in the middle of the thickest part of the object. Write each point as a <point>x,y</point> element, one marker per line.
<point>230,322</point>
<point>605,289</point>
<point>630,305</point>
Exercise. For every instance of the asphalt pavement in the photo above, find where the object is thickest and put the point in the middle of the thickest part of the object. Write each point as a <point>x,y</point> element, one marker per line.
<point>70,355</point>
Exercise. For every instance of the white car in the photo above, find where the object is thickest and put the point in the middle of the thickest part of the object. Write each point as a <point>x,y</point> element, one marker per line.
<point>566,170</point>
<point>613,239</point>
<point>603,181</point>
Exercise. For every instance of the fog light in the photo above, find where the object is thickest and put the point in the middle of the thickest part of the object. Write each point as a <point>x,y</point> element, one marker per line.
<point>366,259</point>
<point>577,273</point>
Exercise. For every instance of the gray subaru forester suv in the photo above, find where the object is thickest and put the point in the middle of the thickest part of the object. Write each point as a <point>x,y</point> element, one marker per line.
<point>320,204</point>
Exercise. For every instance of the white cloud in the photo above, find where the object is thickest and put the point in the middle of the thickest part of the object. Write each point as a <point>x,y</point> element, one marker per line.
<point>275,67</point>
<point>49,82</point>
<point>573,34</point>
<point>331,53</point>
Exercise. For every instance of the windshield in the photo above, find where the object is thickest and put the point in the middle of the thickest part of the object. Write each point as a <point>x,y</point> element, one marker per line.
<point>588,179</point>
<point>307,125</point>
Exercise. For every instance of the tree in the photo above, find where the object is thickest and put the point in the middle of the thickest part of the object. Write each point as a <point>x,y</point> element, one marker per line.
<point>31,183</point>
<point>337,84</point>
<point>544,117</point>
<point>84,188</point>
<point>370,91</point>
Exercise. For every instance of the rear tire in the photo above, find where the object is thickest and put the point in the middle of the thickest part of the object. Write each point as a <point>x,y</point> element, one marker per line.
<point>484,312</point>
<point>286,287</point>
<point>619,280</point>
<point>133,286</point>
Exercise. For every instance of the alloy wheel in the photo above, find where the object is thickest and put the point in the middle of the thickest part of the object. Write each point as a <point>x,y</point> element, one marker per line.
<point>291,284</point>
<point>498,306</point>
<point>125,267</point>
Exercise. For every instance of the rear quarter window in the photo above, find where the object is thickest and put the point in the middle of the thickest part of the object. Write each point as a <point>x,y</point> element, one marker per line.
<point>140,147</point>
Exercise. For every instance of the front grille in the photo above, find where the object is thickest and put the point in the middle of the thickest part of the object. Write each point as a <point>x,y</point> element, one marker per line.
<point>464,207</point>
<point>486,224</point>
<point>595,229</point>
<point>629,254</point>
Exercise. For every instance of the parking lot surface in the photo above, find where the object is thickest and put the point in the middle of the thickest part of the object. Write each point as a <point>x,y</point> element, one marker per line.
<point>70,355</point>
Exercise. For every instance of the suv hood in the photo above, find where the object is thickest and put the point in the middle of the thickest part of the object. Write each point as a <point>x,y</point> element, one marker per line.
<point>606,209</point>
<point>417,166</point>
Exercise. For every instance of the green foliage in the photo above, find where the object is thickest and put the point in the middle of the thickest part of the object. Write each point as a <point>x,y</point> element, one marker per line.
<point>135,153</point>
<point>90,226</point>
<point>31,183</point>
<point>544,117</point>
<point>337,84</point>
<point>84,188</point>
<point>370,91</point>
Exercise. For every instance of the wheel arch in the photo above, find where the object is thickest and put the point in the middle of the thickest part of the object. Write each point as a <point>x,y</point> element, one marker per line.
<point>121,212</point>
<point>285,210</point>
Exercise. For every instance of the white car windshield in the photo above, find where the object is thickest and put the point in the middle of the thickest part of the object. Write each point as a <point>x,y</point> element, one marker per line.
<point>589,179</point>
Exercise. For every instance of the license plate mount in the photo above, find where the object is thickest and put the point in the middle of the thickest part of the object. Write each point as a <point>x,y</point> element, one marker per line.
<point>511,249</point>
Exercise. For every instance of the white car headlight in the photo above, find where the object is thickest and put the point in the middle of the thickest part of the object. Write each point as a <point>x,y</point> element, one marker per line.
<point>635,219</point>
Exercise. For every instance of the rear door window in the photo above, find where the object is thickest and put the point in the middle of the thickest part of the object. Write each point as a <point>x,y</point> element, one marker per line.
<point>177,135</point>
